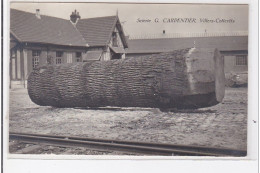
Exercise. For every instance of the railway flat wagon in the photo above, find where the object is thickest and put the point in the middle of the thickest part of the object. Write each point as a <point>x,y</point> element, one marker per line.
<point>187,78</point>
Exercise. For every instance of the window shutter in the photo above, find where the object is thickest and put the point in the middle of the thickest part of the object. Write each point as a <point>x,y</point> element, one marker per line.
<point>69,57</point>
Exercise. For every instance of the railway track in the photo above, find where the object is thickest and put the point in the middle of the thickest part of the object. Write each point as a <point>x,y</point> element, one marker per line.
<point>145,148</point>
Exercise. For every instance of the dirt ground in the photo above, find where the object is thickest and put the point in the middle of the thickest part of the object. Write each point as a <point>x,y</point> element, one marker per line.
<point>223,125</point>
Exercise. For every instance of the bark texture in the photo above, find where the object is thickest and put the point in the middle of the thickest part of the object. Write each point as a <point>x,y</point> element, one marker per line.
<point>188,78</point>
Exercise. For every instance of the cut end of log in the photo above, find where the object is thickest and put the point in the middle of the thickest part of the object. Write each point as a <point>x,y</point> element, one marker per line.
<point>206,79</point>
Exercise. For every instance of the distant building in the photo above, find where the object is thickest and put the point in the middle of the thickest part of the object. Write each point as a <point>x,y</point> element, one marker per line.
<point>234,47</point>
<point>37,39</point>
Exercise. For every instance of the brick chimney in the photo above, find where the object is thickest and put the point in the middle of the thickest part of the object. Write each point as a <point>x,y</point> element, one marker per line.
<point>74,17</point>
<point>37,14</point>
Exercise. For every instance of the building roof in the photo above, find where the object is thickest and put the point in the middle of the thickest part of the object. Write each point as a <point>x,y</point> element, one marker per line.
<point>223,43</point>
<point>92,55</point>
<point>26,27</point>
<point>117,49</point>
<point>98,31</point>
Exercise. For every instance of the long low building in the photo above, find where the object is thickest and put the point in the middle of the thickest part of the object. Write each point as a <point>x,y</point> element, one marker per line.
<point>233,48</point>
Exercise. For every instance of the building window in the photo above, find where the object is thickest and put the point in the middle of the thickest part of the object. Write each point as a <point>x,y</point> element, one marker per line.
<point>35,62</point>
<point>35,58</point>
<point>114,38</point>
<point>58,60</point>
<point>78,56</point>
<point>241,60</point>
<point>59,54</point>
<point>36,53</point>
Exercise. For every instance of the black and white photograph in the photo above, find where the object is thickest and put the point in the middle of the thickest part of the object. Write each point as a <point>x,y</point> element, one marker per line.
<point>128,79</point>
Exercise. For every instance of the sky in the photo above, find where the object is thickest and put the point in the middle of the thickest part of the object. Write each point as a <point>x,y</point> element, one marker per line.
<point>129,14</point>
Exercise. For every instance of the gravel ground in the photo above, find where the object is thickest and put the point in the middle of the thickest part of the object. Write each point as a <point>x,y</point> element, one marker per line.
<point>223,125</point>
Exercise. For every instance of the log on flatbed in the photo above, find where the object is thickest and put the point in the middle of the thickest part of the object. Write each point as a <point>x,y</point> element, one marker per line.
<point>187,78</point>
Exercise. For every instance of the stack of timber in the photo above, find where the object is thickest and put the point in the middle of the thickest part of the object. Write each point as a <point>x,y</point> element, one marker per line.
<point>188,78</point>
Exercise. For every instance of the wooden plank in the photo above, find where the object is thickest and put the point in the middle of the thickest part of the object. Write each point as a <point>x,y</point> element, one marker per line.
<point>18,61</point>
<point>13,68</point>
<point>29,61</point>
<point>25,60</point>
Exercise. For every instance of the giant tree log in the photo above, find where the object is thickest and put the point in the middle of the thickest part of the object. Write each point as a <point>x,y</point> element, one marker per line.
<point>188,78</point>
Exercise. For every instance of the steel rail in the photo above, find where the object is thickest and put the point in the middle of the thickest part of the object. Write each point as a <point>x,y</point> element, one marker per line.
<point>129,146</point>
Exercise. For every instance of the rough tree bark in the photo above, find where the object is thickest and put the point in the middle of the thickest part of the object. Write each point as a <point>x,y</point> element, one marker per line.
<point>188,78</point>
